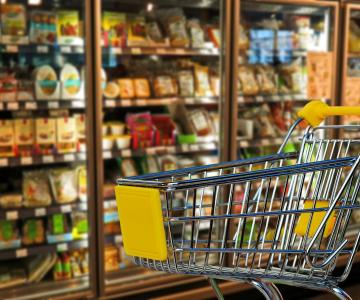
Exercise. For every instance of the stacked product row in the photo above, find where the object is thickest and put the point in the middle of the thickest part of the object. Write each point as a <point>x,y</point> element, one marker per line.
<point>39,136</point>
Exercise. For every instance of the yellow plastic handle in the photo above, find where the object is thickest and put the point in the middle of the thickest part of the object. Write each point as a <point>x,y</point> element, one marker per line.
<point>316,112</point>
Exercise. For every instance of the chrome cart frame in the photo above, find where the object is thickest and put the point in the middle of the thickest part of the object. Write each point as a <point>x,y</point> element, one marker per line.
<point>282,218</point>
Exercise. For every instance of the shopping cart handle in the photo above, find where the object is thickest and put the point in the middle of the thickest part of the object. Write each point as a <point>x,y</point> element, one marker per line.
<point>316,112</point>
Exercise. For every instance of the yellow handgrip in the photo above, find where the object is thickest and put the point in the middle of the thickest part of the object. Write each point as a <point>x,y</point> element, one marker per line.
<point>316,112</point>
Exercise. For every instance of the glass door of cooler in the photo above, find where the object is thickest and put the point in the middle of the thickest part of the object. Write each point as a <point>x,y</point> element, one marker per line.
<point>44,224</point>
<point>351,60</point>
<point>287,56</point>
<point>161,72</point>
<point>350,83</point>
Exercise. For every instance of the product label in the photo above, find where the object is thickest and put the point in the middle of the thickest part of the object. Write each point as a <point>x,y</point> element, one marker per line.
<point>6,229</point>
<point>31,229</point>
<point>58,224</point>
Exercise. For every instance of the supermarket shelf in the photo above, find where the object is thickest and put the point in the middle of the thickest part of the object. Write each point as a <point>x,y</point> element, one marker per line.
<point>41,104</point>
<point>161,150</point>
<point>34,250</point>
<point>264,142</point>
<point>41,49</point>
<point>110,103</point>
<point>161,51</point>
<point>41,159</point>
<point>243,100</point>
<point>23,213</point>
<point>46,289</point>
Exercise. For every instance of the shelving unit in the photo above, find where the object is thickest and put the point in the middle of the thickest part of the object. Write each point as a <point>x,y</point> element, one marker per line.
<point>117,62</point>
<point>104,166</point>
<point>27,96</point>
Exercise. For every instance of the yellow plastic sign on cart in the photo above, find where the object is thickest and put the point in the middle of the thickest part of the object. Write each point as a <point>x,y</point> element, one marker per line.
<point>141,222</point>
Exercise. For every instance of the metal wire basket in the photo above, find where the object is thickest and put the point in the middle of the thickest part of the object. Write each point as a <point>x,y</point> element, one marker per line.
<point>282,218</point>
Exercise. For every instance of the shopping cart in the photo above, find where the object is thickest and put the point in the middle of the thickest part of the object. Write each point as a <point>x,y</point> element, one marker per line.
<point>282,218</point>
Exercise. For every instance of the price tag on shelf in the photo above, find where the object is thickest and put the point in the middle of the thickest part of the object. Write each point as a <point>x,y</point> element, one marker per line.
<point>194,147</point>
<point>110,103</point>
<point>259,99</point>
<point>116,50</point>
<point>65,208</point>
<point>26,161</point>
<point>125,102</point>
<point>185,148</point>
<point>136,51</point>
<point>118,239</point>
<point>39,212</point>
<point>241,99</point>
<point>179,51</point>
<point>13,106</point>
<point>266,142</point>
<point>31,105</point>
<point>69,157</point>
<point>12,48</point>
<point>171,149</point>
<point>53,104</point>
<point>47,159</point>
<point>79,50</point>
<point>161,51</point>
<point>82,156</point>
<point>107,155</point>
<point>65,49</point>
<point>276,98</point>
<point>141,102</point>
<point>190,100</point>
<point>12,215</point>
<point>78,104</point>
<point>4,162</point>
<point>150,151</point>
<point>42,49</point>
<point>126,153</point>
<point>62,247</point>
<point>21,253</point>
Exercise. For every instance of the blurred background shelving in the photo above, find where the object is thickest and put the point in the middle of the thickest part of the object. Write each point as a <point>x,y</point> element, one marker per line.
<point>131,87</point>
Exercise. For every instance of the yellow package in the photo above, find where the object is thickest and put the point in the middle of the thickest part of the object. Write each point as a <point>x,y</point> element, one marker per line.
<point>202,82</point>
<point>317,218</point>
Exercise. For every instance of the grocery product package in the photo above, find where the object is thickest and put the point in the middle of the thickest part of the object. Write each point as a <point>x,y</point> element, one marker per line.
<point>38,266</point>
<point>64,185</point>
<point>43,27</point>
<point>36,189</point>
<point>13,23</point>
<point>202,81</point>
<point>9,235</point>
<point>59,228</point>
<point>174,21</point>
<point>196,33</point>
<point>165,86</point>
<point>24,136</point>
<point>33,232</point>
<point>113,29</point>
<point>136,31</point>
<point>68,27</point>
<point>141,129</point>
<point>7,138</point>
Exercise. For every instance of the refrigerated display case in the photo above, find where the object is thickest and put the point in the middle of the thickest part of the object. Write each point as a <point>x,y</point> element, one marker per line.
<point>350,83</point>
<point>44,143</point>
<point>287,55</point>
<point>161,97</point>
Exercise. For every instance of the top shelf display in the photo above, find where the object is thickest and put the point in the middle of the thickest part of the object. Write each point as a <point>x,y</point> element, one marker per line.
<point>22,27</point>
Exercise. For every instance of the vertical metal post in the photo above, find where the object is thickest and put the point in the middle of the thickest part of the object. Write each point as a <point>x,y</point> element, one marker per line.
<point>93,134</point>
